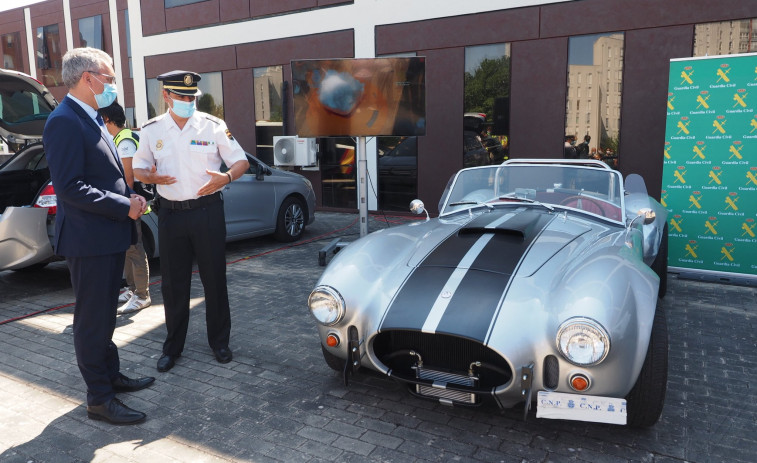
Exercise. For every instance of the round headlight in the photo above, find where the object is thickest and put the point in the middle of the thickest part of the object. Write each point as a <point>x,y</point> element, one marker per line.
<point>583,341</point>
<point>326,305</point>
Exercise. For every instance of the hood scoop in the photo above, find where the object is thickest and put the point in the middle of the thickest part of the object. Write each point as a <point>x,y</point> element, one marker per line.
<point>523,225</point>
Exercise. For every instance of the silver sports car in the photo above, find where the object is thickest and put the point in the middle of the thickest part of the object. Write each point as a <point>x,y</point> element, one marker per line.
<point>264,200</point>
<point>537,284</point>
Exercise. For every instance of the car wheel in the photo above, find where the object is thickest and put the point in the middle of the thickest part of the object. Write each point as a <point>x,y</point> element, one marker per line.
<point>660,264</point>
<point>334,362</point>
<point>646,399</point>
<point>290,224</point>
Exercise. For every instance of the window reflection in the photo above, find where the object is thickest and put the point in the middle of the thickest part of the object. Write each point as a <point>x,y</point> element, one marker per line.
<point>211,100</point>
<point>595,84</point>
<point>338,172</point>
<point>48,55</point>
<point>11,51</point>
<point>397,171</point>
<point>91,32</point>
<point>173,3</point>
<point>486,118</point>
<point>725,38</point>
<point>268,83</point>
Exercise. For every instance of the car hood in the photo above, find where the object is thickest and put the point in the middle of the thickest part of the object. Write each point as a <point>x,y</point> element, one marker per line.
<point>457,283</point>
<point>25,105</point>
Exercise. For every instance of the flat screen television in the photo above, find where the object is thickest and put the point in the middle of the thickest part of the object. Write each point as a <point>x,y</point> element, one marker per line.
<point>359,97</point>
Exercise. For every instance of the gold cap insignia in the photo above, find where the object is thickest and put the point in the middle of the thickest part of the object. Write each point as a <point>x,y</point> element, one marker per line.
<point>187,79</point>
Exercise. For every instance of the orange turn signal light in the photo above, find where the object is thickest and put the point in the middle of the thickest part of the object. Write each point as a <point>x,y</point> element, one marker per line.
<point>579,382</point>
<point>332,340</point>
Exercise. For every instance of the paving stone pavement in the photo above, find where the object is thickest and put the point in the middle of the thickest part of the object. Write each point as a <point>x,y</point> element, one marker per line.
<point>277,401</point>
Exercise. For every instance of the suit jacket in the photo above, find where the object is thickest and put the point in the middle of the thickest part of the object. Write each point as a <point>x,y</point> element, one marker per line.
<point>89,182</point>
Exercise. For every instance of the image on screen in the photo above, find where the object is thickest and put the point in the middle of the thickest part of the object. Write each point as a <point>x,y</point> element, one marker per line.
<point>359,97</point>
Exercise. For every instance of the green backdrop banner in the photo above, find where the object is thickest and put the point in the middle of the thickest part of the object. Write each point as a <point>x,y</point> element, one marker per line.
<point>709,182</point>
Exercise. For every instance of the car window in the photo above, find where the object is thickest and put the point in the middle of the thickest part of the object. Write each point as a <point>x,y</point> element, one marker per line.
<point>20,102</point>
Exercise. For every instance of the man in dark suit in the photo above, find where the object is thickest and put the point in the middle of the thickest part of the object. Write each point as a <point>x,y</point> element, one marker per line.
<point>94,226</point>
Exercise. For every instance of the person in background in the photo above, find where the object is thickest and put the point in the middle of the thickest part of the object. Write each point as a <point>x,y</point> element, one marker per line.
<point>137,269</point>
<point>570,149</point>
<point>181,152</point>
<point>94,226</point>
<point>582,150</point>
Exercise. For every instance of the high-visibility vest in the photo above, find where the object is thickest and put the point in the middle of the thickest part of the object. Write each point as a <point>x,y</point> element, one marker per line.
<point>126,134</point>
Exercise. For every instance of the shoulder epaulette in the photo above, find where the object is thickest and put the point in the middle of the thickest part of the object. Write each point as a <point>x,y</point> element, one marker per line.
<point>154,119</point>
<point>212,118</point>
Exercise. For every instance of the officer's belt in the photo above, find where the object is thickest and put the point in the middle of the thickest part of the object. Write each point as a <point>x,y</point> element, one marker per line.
<point>190,203</point>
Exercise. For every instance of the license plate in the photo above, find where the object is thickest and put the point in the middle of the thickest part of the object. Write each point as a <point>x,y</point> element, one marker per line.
<point>561,406</point>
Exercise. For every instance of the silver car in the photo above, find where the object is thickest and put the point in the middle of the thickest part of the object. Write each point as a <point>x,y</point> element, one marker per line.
<point>537,284</point>
<point>263,201</point>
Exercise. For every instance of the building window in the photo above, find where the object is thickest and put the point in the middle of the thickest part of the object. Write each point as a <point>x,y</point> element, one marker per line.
<point>710,38</point>
<point>211,100</point>
<point>486,104</point>
<point>338,165</point>
<point>398,172</point>
<point>49,57</point>
<point>173,3</point>
<point>11,49</point>
<point>268,83</point>
<point>91,32</point>
<point>590,54</point>
<point>128,42</point>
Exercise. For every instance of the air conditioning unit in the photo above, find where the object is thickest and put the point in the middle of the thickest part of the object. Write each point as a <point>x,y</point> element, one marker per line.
<point>294,151</point>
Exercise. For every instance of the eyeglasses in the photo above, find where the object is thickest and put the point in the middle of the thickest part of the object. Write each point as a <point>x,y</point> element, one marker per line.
<point>108,78</point>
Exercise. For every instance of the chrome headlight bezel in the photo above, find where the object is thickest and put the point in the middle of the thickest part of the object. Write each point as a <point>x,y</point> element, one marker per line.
<point>326,305</point>
<point>572,330</point>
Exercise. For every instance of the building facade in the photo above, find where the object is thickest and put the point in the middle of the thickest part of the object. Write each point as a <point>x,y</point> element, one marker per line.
<point>536,71</point>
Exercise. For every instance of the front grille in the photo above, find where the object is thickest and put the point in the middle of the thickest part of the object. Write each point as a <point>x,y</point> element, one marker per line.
<point>441,379</point>
<point>442,353</point>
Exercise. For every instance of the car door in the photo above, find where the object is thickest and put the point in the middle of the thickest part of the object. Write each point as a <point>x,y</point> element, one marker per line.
<point>249,202</point>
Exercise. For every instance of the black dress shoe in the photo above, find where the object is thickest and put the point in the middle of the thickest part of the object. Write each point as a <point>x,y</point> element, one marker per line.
<point>124,384</point>
<point>166,362</point>
<point>115,412</point>
<point>223,354</point>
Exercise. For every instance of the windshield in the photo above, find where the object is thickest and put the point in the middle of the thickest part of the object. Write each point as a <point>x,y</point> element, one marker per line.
<point>590,189</point>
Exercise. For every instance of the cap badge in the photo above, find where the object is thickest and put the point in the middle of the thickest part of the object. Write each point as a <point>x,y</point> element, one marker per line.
<point>187,79</point>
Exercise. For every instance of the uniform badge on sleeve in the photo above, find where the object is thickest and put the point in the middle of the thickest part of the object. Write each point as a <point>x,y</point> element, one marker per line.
<point>228,134</point>
<point>159,145</point>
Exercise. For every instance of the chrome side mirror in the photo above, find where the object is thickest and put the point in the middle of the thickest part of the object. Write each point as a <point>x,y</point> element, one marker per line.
<point>417,207</point>
<point>647,215</point>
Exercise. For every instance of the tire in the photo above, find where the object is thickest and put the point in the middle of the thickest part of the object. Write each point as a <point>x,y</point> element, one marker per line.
<point>290,223</point>
<point>660,264</point>
<point>646,399</point>
<point>334,362</point>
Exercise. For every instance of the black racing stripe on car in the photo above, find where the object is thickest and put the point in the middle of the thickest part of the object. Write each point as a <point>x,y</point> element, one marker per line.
<point>472,306</point>
<point>504,251</point>
<point>415,299</point>
<point>451,251</point>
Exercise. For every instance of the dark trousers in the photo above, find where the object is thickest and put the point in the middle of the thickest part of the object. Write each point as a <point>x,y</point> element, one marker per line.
<point>185,235</point>
<point>96,281</point>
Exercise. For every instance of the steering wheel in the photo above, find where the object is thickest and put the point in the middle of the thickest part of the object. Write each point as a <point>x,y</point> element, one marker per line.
<point>585,203</point>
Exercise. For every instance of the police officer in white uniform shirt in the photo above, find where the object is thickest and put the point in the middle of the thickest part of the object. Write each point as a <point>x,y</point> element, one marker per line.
<point>181,152</point>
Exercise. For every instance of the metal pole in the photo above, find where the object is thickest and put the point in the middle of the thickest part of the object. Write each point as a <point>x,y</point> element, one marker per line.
<point>362,187</point>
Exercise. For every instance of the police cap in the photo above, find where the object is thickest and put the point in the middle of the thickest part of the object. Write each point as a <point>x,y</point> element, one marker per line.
<point>181,82</point>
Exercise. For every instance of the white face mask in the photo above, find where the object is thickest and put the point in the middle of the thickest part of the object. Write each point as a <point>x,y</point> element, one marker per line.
<point>183,109</point>
<point>107,96</point>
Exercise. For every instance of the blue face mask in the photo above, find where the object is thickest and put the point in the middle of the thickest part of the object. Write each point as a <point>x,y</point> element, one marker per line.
<point>183,109</point>
<point>108,95</point>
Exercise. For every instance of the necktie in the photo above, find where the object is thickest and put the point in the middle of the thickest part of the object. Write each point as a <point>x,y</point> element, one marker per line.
<point>100,121</point>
